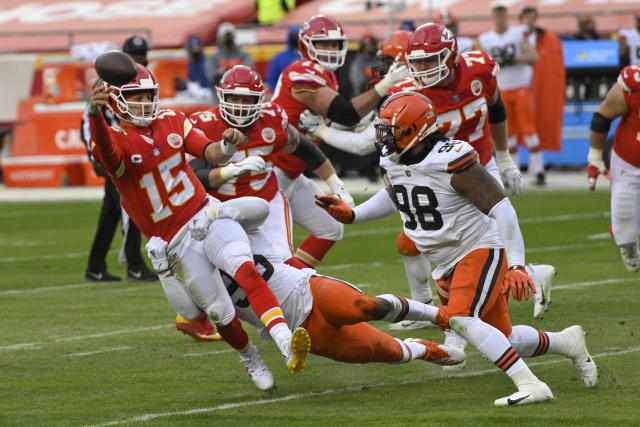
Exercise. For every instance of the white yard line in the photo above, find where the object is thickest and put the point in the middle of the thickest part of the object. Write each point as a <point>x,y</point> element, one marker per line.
<point>355,389</point>
<point>595,283</point>
<point>91,353</point>
<point>207,353</point>
<point>83,337</point>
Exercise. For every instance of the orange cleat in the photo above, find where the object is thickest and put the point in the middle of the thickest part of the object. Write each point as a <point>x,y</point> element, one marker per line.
<point>199,328</point>
<point>440,354</point>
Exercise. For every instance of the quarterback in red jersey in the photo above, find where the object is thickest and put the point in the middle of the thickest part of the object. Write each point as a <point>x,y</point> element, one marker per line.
<point>310,83</point>
<point>623,100</point>
<point>145,156</point>
<point>249,171</point>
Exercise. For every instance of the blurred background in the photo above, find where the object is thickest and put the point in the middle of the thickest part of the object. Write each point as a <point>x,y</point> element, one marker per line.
<point>47,49</point>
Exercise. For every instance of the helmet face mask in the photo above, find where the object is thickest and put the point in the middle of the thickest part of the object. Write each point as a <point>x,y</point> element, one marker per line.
<point>322,28</point>
<point>404,121</point>
<point>386,137</point>
<point>138,111</point>
<point>241,94</point>
<point>432,54</point>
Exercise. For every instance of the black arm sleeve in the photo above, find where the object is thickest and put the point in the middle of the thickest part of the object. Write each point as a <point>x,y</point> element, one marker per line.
<point>600,123</point>
<point>497,112</point>
<point>342,111</point>
<point>202,169</point>
<point>309,153</point>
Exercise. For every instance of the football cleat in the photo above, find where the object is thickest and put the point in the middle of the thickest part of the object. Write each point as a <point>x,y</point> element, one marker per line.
<point>630,256</point>
<point>452,339</point>
<point>571,343</point>
<point>542,276</point>
<point>529,393</point>
<point>411,325</point>
<point>199,328</point>
<point>257,369</point>
<point>300,347</point>
<point>440,354</point>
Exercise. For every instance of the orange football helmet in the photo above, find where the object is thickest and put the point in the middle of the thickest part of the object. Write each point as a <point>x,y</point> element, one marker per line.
<point>405,119</point>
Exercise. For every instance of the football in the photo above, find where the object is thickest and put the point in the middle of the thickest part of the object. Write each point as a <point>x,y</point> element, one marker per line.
<point>116,68</point>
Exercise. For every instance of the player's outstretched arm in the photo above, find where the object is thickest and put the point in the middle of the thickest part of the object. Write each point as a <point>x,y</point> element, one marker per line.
<point>488,196</point>
<point>104,147</point>
<point>359,143</point>
<point>613,106</point>
<point>380,205</point>
<point>301,147</point>
<point>220,152</point>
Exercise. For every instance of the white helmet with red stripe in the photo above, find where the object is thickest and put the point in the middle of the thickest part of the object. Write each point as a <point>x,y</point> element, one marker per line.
<point>323,28</point>
<point>139,113</point>
<point>241,80</point>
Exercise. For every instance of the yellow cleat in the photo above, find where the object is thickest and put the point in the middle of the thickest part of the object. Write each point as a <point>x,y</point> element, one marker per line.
<point>300,345</point>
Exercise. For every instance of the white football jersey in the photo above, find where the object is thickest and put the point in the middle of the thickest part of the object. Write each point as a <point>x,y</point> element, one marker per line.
<point>289,285</point>
<point>508,44</point>
<point>632,37</point>
<point>444,224</point>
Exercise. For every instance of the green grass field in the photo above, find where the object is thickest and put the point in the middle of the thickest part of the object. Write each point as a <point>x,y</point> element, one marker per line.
<point>78,354</point>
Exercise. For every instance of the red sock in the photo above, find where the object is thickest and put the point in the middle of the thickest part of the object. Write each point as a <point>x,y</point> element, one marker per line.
<point>296,262</point>
<point>234,334</point>
<point>262,300</point>
<point>312,250</point>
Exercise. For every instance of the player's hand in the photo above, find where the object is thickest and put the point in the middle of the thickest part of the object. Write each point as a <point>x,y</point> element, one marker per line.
<point>518,282</point>
<point>339,190</point>
<point>337,208</point>
<point>397,72</point>
<point>232,138</point>
<point>99,98</point>
<point>157,253</point>
<point>252,164</point>
<point>595,167</point>
<point>510,173</point>
<point>312,123</point>
<point>199,224</point>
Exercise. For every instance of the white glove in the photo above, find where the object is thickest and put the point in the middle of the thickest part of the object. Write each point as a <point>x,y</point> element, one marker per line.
<point>595,158</point>
<point>365,121</point>
<point>510,173</point>
<point>312,123</point>
<point>157,253</point>
<point>252,164</point>
<point>397,72</point>
<point>199,224</point>
<point>339,190</point>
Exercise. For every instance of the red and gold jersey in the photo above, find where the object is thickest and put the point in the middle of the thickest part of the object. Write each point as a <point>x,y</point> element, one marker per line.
<point>463,105</point>
<point>158,189</point>
<point>301,76</point>
<point>627,136</point>
<point>267,136</point>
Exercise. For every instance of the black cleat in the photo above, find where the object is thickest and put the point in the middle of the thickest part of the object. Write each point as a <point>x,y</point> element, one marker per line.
<point>541,180</point>
<point>102,276</point>
<point>141,274</point>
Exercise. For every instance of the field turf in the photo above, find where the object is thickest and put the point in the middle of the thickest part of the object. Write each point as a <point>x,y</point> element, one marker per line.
<point>73,353</point>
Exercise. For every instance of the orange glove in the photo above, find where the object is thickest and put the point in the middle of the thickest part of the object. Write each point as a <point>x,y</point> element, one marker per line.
<point>337,208</point>
<point>442,318</point>
<point>518,282</point>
